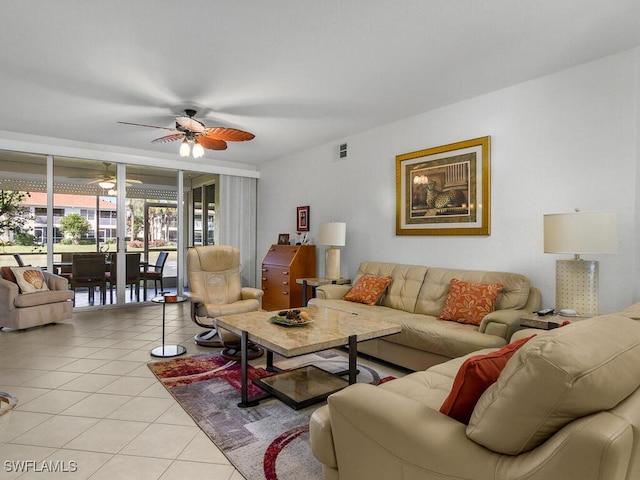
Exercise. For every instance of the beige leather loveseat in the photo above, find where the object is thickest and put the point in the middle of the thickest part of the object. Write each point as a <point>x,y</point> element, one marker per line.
<point>416,297</point>
<point>27,310</point>
<point>566,406</point>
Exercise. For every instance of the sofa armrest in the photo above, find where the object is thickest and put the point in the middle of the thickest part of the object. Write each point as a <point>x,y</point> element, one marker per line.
<point>321,437</point>
<point>332,292</point>
<point>56,282</point>
<point>504,323</point>
<point>194,298</point>
<point>380,434</point>
<point>8,293</point>
<point>250,292</point>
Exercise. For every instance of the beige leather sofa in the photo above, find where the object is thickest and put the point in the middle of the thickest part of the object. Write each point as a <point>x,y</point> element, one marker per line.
<point>416,297</point>
<point>21,311</point>
<point>566,406</point>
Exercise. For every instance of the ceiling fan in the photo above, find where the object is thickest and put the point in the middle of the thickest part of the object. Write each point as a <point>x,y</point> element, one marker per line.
<point>196,137</point>
<point>108,180</point>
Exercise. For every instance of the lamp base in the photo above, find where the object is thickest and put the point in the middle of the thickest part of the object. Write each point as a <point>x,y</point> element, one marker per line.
<point>577,286</point>
<point>332,263</point>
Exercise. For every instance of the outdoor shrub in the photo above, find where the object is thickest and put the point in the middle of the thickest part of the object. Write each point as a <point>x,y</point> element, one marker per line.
<point>25,239</point>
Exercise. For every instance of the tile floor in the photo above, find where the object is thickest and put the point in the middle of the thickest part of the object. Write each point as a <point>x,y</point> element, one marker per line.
<point>88,402</point>
<point>85,395</point>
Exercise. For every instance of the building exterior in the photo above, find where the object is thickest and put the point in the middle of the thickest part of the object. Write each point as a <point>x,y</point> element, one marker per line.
<point>99,212</point>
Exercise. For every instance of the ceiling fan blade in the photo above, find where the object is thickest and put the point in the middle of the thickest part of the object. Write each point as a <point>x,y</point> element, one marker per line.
<point>228,134</point>
<point>169,138</point>
<point>189,123</point>
<point>148,126</point>
<point>211,143</point>
<point>128,181</point>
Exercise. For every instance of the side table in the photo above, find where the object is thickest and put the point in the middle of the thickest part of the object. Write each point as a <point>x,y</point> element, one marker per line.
<point>547,322</point>
<point>163,350</point>
<point>317,282</point>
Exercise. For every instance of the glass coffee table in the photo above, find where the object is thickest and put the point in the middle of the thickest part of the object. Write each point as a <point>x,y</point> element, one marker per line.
<point>327,329</point>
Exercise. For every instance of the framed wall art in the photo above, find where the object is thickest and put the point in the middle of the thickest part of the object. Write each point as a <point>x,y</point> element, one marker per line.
<point>445,190</point>
<point>302,222</point>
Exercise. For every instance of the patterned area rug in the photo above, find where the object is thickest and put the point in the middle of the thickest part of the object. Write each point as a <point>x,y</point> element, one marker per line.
<point>269,441</point>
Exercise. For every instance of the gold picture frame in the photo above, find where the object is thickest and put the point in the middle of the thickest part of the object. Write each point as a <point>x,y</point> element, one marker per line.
<point>445,190</point>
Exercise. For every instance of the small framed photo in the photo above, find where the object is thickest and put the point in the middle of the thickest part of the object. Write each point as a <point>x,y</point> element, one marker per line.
<point>302,223</point>
<point>283,239</point>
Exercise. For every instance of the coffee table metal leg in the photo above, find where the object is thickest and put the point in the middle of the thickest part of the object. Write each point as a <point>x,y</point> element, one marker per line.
<point>353,356</point>
<point>244,370</point>
<point>270,367</point>
<point>304,293</point>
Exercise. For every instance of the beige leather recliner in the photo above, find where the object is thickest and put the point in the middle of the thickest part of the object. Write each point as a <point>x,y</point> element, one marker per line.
<point>215,289</point>
<point>566,406</point>
<point>28,310</point>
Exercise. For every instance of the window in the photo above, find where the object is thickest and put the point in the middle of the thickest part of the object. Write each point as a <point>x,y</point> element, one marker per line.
<point>88,214</point>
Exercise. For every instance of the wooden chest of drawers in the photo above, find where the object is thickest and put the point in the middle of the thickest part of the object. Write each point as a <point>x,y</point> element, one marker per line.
<point>281,267</point>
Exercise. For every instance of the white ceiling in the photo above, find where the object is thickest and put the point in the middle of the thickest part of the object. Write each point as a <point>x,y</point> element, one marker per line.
<point>296,73</point>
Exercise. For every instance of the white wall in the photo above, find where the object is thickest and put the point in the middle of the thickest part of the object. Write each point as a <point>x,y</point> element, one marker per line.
<point>563,141</point>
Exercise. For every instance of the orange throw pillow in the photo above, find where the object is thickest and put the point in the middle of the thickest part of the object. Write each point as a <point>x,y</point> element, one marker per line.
<point>368,289</point>
<point>470,302</point>
<point>476,374</point>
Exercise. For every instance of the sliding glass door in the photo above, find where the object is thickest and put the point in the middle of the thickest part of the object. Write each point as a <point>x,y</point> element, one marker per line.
<point>203,210</point>
<point>71,206</point>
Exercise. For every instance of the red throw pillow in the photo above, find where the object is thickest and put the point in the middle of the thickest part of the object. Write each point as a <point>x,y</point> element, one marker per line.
<point>470,302</point>
<point>368,289</point>
<point>477,374</point>
<point>7,274</point>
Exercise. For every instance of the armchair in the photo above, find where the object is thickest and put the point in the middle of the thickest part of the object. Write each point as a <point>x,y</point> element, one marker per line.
<point>21,311</point>
<point>215,289</point>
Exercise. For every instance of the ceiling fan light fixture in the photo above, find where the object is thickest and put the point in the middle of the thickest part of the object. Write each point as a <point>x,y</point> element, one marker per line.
<point>196,137</point>
<point>106,184</point>
<point>197,151</point>
<point>185,148</point>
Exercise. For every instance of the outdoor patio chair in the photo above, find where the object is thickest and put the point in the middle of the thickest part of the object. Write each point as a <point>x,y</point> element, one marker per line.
<point>88,270</point>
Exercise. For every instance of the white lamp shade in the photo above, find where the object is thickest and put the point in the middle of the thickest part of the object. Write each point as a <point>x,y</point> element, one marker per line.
<point>106,184</point>
<point>580,233</point>
<point>333,233</point>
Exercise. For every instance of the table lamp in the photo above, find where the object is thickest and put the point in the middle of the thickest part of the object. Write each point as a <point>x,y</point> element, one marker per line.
<point>577,286</point>
<point>334,235</point>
